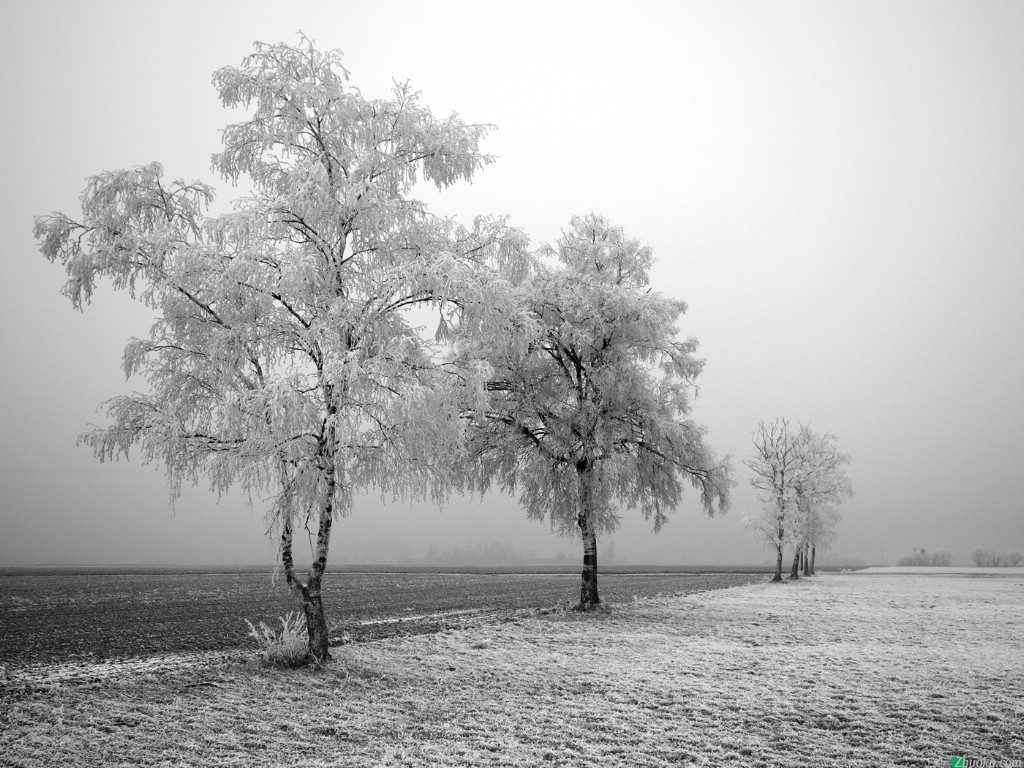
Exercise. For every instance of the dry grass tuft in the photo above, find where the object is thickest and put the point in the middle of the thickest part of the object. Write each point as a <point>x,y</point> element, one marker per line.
<point>289,648</point>
<point>843,670</point>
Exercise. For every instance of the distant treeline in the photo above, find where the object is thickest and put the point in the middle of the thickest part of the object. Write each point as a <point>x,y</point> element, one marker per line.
<point>923,557</point>
<point>982,556</point>
<point>500,553</point>
<point>991,558</point>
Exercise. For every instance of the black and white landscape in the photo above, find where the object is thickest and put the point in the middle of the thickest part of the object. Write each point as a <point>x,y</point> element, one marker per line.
<point>460,384</point>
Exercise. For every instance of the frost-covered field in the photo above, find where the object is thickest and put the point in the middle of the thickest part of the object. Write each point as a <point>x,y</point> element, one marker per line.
<point>945,570</point>
<point>56,616</point>
<point>839,670</point>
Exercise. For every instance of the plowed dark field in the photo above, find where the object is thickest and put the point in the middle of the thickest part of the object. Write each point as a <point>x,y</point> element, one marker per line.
<point>61,615</point>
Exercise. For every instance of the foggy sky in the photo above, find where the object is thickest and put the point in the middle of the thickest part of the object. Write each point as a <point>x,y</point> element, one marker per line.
<point>835,189</point>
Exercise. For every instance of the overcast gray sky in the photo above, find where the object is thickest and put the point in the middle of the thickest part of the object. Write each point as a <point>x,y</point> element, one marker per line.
<point>836,189</point>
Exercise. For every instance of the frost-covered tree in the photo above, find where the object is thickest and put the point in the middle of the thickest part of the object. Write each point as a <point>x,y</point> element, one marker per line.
<point>765,524</point>
<point>798,473</point>
<point>775,468</point>
<point>819,534</point>
<point>819,483</point>
<point>283,358</point>
<point>590,395</point>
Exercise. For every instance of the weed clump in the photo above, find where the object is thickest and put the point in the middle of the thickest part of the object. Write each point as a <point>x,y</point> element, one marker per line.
<point>289,648</point>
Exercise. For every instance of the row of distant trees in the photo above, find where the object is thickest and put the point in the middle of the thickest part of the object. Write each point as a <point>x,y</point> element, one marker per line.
<point>994,558</point>
<point>800,477</point>
<point>982,556</point>
<point>924,557</point>
<point>288,355</point>
<point>501,553</point>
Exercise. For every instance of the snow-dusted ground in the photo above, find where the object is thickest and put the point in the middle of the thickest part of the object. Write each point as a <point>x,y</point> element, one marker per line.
<point>839,670</point>
<point>954,570</point>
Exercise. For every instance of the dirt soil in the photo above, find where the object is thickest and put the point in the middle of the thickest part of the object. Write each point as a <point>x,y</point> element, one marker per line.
<point>60,616</point>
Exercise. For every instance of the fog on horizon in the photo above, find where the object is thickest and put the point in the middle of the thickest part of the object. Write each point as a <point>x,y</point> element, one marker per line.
<point>835,189</point>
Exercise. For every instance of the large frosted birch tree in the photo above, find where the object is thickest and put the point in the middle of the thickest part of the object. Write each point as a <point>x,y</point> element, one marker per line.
<point>591,395</point>
<point>283,357</point>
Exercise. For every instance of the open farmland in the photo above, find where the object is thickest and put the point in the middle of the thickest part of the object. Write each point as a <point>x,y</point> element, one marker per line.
<point>831,672</point>
<point>54,615</point>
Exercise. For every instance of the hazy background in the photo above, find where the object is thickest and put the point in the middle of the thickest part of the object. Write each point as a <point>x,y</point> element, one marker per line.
<point>836,189</point>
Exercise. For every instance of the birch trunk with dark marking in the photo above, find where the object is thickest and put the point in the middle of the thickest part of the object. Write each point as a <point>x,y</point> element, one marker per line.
<point>588,588</point>
<point>778,552</point>
<point>794,571</point>
<point>812,559</point>
<point>805,558</point>
<point>312,603</point>
<point>310,591</point>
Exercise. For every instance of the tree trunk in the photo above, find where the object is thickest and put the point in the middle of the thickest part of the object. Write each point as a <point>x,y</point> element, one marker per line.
<point>806,560</point>
<point>588,588</point>
<point>812,559</point>
<point>316,621</point>
<point>778,552</point>
<point>794,571</point>
<point>312,603</point>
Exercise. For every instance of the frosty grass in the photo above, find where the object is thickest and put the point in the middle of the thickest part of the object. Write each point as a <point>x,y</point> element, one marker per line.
<point>838,670</point>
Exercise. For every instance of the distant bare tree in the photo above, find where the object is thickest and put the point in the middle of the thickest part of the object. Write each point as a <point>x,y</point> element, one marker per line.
<point>775,466</point>
<point>820,532</point>
<point>820,481</point>
<point>799,474</point>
